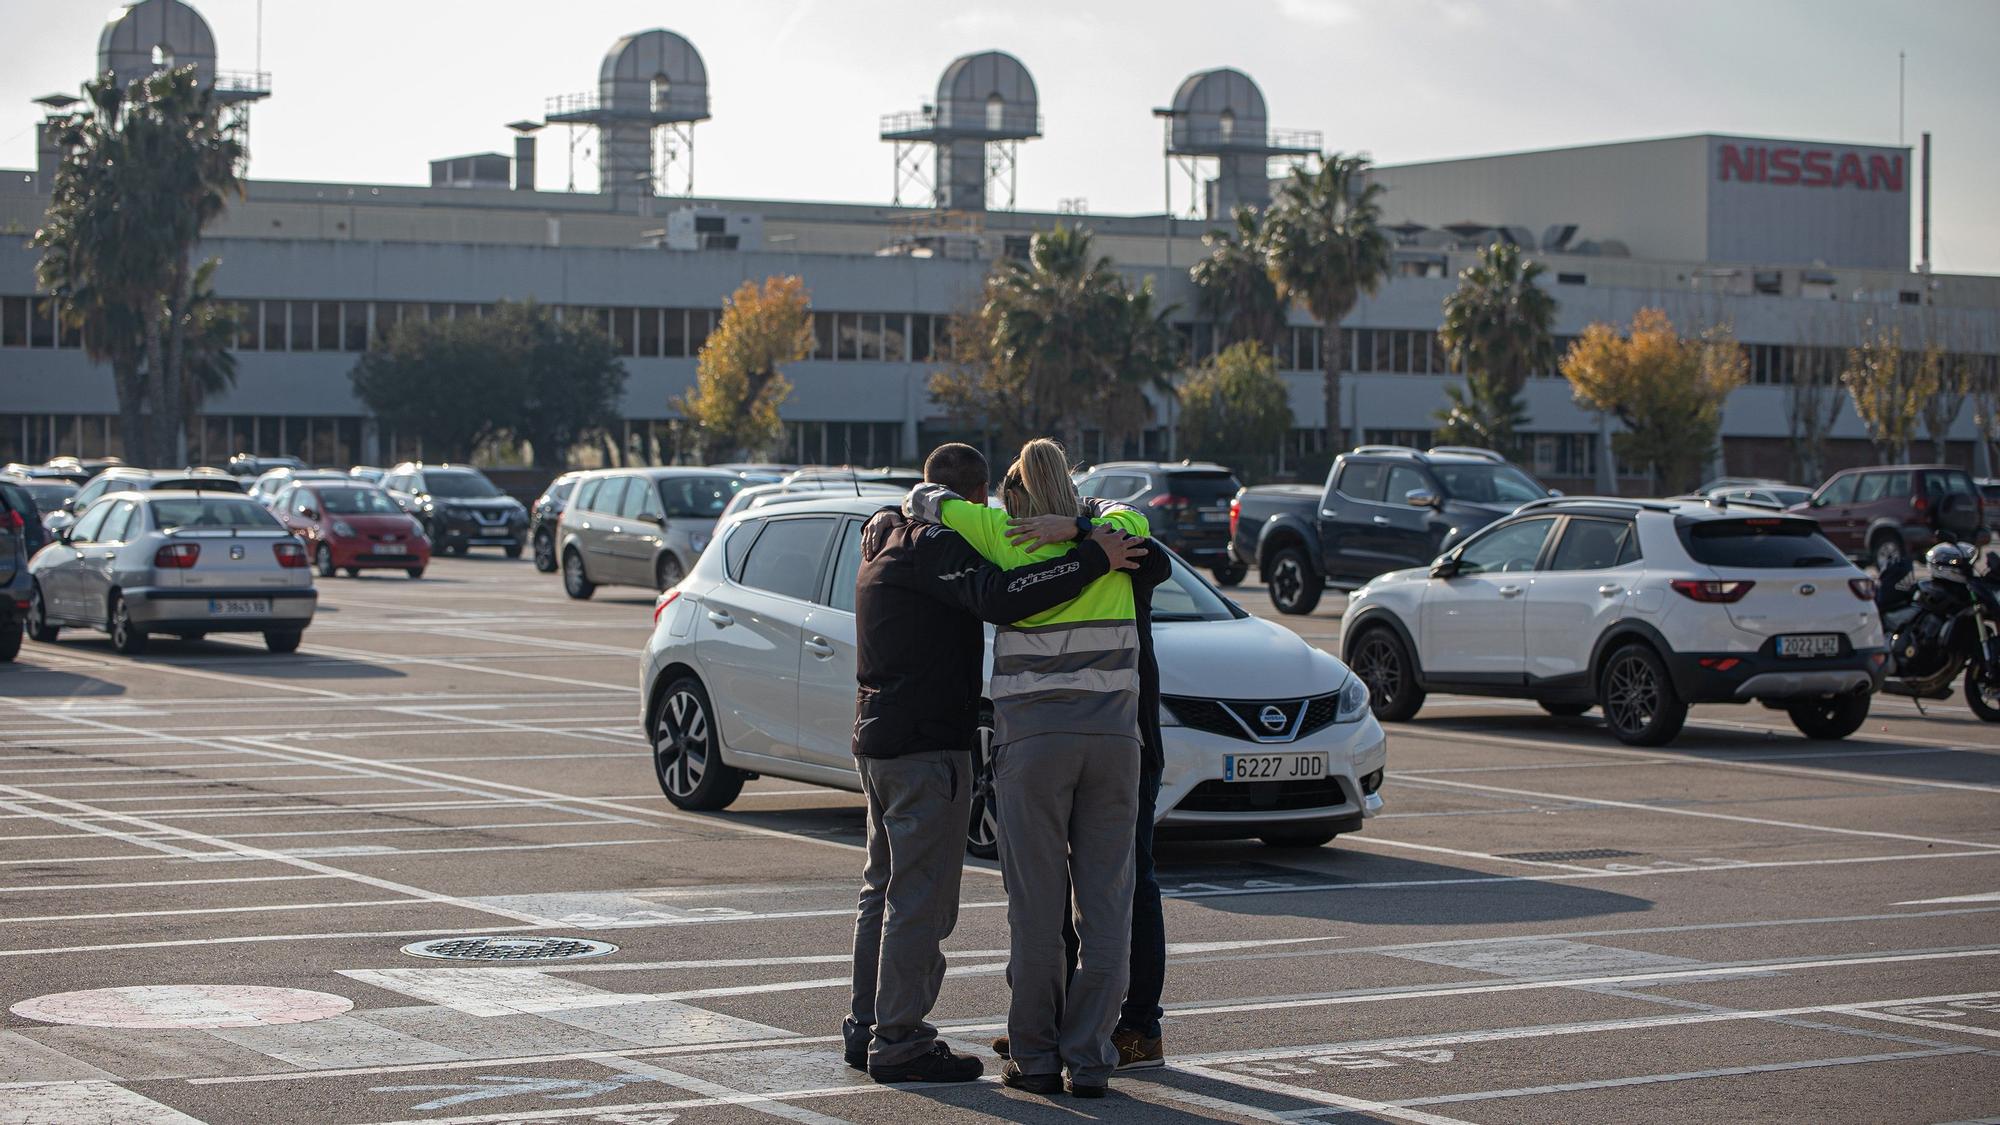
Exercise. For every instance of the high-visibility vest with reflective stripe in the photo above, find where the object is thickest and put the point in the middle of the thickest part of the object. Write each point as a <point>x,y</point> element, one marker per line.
<point>1073,669</point>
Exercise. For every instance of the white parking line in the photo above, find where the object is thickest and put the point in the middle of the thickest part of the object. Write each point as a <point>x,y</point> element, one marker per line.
<point>1682,1076</point>
<point>1322,1097</point>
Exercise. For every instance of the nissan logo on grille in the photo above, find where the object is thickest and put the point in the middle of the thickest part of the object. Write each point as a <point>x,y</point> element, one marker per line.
<point>1272,718</point>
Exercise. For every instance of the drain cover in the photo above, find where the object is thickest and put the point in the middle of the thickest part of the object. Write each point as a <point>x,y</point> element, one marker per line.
<point>509,948</point>
<point>1559,857</point>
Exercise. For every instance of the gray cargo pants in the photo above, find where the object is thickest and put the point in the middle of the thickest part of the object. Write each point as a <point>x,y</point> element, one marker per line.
<point>918,807</point>
<point>1066,805</point>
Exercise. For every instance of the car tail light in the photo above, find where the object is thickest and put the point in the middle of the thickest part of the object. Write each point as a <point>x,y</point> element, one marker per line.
<point>13,521</point>
<point>1920,503</point>
<point>1864,588</point>
<point>1719,663</point>
<point>291,556</point>
<point>661,603</point>
<point>1724,592</point>
<point>1235,515</point>
<point>177,556</point>
<point>1168,500</point>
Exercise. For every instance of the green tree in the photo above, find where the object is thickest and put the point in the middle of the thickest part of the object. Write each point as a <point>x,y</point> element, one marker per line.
<point>1667,389</point>
<point>1498,331</point>
<point>1324,241</point>
<point>454,384</point>
<point>1234,408</point>
<point>1889,387</point>
<point>1233,284</point>
<point>738,382</point>
<point>211,329</point>
<point>1058,344</point>
<point>145,169</point>
<point>571,382</point>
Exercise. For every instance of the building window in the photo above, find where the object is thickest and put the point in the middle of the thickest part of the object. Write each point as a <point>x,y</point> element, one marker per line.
<point>329,325</point>
<point>1564,455</point>
<point>893,333</point>
<point>649,332</point>
<point>675,341</point>
<point>354,326</point>
<point>1572,279</point>
<point>847,332</point>
<point>624,331</point>
<point>249,316</point>
<point>823,334</point>
<point>274,326</point>
<point>13,322</point>
<point>920,337</point>
<point>871,336</point>
<point>700,323</point>
<point>41,322</point>
<point>302,326</point>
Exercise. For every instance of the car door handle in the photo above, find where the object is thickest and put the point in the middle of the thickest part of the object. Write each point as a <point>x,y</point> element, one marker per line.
<point>1510,591</point>
<point>1382,521</point>
<point>720,619</point>
<point>1609,589</point>
<point>819,648</point>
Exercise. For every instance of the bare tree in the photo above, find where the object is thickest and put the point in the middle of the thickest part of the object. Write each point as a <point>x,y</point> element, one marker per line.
<point>1814,398</point>
<point>1890,387</point>
<point>1951,369</point>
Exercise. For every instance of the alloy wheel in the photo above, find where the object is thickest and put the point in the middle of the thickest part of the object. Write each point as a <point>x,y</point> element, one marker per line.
<point>680,744</point>
<point>323,559</point>
<point>1632,695</point>
<point>668,574</point>
<point>1380,666</point>
<point>1286,581</point>
<point>1888,552</point>
<point>982,833</point>
<point>545,553</point>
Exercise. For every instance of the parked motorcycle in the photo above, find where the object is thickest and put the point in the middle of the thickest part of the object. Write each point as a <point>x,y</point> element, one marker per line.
<point>1942,626</point>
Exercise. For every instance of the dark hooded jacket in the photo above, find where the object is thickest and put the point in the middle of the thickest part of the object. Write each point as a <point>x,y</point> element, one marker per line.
<point>920,648</point>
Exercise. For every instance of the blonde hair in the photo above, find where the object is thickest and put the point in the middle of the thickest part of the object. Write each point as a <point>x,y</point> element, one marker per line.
<point>1038,482</point>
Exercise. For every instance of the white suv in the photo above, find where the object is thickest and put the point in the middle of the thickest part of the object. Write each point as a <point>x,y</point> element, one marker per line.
<point>1640,607</point>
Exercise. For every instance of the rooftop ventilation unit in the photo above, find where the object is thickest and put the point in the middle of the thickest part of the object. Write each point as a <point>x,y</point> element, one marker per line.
<point>1219,114</point>
<point>986,106</point>
<point>708,228</point>
<point>480,170</point>
<point>651,90</point>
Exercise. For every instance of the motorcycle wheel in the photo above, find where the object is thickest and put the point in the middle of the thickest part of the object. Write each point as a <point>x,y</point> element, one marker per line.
<point>1982,694</point>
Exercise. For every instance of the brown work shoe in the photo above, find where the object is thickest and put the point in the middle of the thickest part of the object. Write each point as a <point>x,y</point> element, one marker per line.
<point>1137,1051</point>
<point>1000,1047</point>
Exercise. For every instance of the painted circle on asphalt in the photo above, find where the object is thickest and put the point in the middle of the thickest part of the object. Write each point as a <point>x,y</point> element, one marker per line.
<point>183,1005</point>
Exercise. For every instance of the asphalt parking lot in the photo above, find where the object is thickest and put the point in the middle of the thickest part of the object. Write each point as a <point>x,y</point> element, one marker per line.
<point>1543,925</point>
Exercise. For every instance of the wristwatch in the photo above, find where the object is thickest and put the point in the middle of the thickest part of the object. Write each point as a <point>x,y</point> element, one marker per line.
<point>1083,528</point>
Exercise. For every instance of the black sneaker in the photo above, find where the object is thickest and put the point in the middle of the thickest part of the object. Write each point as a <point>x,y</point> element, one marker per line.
<point>855,1036</point>
<point>1084,1089</point>
<point>935,1065</point>
<point>1046,1084</point>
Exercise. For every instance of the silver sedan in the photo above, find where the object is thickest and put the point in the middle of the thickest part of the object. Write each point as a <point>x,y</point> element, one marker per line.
<point>182,563</point>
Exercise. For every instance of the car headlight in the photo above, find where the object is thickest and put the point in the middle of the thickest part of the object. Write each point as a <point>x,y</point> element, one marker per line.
<point>699,541</point>
<point>343,529</point>
<point>1353,701</point>
<point>1167,718</point>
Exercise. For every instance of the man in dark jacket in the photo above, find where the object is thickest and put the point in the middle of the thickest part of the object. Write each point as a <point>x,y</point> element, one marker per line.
<point>920,650</point>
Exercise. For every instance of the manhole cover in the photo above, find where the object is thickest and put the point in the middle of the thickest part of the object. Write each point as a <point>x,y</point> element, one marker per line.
<point>1559,857</point>
<point>509,949</point>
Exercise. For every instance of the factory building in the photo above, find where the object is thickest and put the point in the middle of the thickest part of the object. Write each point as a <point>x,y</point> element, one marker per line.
<point>1798,245</point>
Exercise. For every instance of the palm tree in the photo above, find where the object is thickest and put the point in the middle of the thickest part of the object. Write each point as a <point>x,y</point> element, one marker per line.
<point>1324,242</point>
<point>1234,287</point>
<point>1498,331</point>
<point>146,167</point>
<point>211,329</point>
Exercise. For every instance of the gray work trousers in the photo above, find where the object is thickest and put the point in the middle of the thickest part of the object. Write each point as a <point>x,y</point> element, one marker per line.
<point>918,808</point>
<point>1066,805</point>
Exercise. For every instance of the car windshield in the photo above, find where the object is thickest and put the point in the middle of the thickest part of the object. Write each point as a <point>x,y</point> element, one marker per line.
<point>698,498</point>
<point>1185,597</point>
<point>459,486</point>
<point>172,515</point>
<point>357,502</point>
<point>49,495</point>
<point>1487,483</point>
<point>1204,490</point>
<point>218,484</point>
<point>1759,544</point>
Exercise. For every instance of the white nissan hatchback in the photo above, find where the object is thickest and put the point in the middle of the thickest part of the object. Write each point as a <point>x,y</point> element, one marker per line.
<point>1640,607</point>
<point>750,671</point>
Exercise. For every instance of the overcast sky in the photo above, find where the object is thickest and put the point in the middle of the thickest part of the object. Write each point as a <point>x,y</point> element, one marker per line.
<point>370,90</point>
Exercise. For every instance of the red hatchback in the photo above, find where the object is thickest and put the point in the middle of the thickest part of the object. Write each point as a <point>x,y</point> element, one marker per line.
<point>352,527</point>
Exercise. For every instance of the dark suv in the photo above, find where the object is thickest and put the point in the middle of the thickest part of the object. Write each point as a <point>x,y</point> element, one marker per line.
<point>459,507</point>
<point>17,515</point>
<point>1187,504</point>
<point>1384,507</point>
<point>543,515</point>
<point>1883,513</point>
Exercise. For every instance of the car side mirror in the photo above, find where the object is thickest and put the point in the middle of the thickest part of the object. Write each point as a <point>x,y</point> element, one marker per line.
<point>1420,498</point>
<point>1555,492</point>
<point>1445,567</point>
<point>307,512</point>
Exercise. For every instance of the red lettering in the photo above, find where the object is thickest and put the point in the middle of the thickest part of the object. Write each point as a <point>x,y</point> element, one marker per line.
<point>1740,161</point>
<point>1785,166</point>
<point>1885,172</point>
<point>1818,168</point>
<point>1850,171</point>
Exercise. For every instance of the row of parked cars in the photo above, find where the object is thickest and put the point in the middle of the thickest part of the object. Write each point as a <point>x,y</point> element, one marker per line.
<point>1470,576</point>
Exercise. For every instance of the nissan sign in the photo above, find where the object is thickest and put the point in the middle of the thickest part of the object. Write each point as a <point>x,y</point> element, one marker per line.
<point>1810,167</point>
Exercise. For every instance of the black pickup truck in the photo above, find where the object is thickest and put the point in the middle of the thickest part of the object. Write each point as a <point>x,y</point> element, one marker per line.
<point>1384,508</point>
